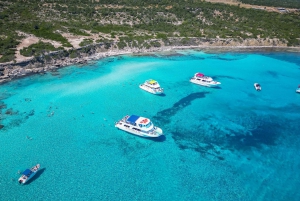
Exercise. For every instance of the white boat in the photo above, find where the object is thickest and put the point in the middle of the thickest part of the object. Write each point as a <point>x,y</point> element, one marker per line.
<point>28,174</point>
<point>257,86</point>
<point>152,86</point>
<point>203,80</point>
<point>140,126</point>
<point>298,89</point>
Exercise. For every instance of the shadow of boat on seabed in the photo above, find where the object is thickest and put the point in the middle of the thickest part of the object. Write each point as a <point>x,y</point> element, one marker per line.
<point>216,87</point>
<point>155,139</point>
<point>36,176</point>
<point>158,139</point>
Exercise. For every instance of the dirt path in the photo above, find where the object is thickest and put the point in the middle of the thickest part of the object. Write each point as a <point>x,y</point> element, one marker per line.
<point>242,5</point>
<point>29,40</point>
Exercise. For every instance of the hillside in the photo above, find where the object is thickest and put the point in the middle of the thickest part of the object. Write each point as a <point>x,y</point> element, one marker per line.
<point>276,3</point>
<point>33,27</point>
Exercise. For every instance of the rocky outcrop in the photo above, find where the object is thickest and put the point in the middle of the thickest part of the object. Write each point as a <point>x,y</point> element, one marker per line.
<point>54,60</point>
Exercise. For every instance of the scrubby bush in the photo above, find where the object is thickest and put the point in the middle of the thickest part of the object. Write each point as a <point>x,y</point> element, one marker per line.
<point>86,42</point>
<point>38,49</point>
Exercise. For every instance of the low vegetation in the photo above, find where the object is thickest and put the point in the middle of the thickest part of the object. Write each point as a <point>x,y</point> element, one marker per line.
<point>86,42</point>
<point>39,48</point>
<point>132,23</point>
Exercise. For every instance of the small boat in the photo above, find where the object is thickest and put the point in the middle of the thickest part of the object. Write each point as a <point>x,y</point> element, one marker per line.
<point>152,86</point>
<point>298,89</point>
<point>203,80</point>
<point>257,86</point>
<point>28,174</point>
<point>140,126</point>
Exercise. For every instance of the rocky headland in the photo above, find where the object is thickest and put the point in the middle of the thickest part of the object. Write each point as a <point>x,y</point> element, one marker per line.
<point>82,55</point>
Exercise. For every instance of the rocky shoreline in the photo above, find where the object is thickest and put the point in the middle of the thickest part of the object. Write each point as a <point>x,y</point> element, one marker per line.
<point>55,60</point>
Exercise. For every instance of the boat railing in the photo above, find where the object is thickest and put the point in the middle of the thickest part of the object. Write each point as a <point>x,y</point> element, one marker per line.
<point>136,129</point>
<point>124,119</point>
<point>159,89</point>
<point>152,131</point>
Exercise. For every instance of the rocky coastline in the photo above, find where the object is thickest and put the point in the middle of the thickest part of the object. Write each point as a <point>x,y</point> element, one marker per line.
<point>54,60</point>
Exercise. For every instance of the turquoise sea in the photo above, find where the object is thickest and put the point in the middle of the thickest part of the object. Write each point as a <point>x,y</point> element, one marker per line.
<point>228,143</point>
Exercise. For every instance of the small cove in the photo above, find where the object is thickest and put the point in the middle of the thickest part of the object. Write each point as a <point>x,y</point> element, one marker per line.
<point>226,143</point>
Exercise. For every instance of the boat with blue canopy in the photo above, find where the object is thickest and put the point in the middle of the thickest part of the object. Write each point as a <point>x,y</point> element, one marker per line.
<point>138,125</point>
<point>28,174</point>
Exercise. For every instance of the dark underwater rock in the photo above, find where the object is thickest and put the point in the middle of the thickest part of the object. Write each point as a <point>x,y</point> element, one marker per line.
<point>10,112</point>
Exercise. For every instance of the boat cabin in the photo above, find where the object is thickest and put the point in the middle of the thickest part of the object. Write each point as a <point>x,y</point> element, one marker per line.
<point>142,122</point>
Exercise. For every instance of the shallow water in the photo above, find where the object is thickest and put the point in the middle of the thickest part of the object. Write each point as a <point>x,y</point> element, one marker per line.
<point>225,143</point>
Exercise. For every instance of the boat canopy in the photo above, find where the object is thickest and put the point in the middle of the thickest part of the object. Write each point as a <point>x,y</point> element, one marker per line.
<point>132,119</point>
<point>27,172</point>
<point>199,74</point>
<point>151,81</point>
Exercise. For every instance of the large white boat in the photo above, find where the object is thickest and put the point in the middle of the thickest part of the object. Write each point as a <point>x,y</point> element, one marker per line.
<point>298,89</point>
<point>28,174</point>
<point>203,80</point>
<point>152,86</point>
<point>139,126</point>
<point>257,87</point>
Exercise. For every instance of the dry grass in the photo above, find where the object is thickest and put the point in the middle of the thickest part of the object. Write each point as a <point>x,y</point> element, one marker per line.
<point>242,5</point>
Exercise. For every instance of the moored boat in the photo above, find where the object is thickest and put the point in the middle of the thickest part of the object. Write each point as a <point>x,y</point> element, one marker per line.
<point>203,80</point>
<point>152,86</point>
<point>140,126</point>
<point>298,89</point>
<point>28,174</point>
<point>257,86</point>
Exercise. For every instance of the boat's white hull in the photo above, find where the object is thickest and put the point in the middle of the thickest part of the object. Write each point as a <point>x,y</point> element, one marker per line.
<point>158,132</point>
<point>257,88</point>
<point>150,90</point>
<point>23,179</point>
<point>206,84</point>
<point>298,91</point>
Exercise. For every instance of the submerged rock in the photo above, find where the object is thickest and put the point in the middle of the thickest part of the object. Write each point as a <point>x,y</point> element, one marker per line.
<point>10,112</point>
<point>2,105</point>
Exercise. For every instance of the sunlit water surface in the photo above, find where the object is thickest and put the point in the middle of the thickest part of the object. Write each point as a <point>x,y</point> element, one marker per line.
<point>225,143</point>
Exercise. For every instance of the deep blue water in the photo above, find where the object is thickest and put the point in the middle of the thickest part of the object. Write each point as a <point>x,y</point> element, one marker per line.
<point>225,143</point>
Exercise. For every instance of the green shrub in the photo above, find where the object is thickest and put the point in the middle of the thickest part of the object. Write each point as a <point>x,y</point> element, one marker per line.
<point>38,48</point>
<point>162,36</point>
<point>121,45</point>
<point>155,44</point>
<point>77,31</point>
<point>7,58</point>
<point>86,42</point>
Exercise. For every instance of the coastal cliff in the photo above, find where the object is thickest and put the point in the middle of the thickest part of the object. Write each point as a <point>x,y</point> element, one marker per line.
<point>57,59</point>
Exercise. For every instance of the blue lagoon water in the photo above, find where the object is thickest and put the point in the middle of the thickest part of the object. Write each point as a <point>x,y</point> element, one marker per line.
<point>226,143</point>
